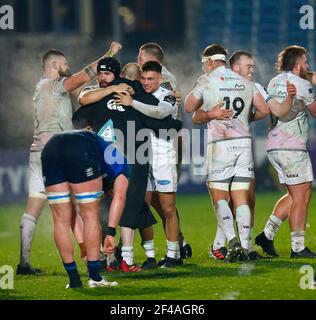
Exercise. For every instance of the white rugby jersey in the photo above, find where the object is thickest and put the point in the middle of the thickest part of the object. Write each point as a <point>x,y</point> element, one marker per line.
<point>166,96</point>
<point>52,111</point>
<point>169,82</point>
<point>290,131</point>
<point>224,85</point>
<point>263,92</point>
<point>163,95</point>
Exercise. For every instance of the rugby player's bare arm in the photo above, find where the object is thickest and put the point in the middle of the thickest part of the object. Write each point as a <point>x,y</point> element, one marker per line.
<point>160,111</point>
<point>262,108</point>
<point>282,109</point>
<point>216,113</point>
<point>312,109</point>
<point>94,95</point>
<point>89,72</point>
<point>192,103</point>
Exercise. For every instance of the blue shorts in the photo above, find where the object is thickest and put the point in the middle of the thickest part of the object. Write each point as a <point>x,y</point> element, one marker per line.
<point>71,157</point>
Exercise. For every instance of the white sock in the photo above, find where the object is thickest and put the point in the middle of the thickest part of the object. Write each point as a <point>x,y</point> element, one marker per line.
<point>110,258</point>
<point>27,229</point>
<point>149,248</point>
<point>172,248</point>
<point>298,240</point>
<point>272,226</point>
<point>220,238</point>
<point>243,218</point>
<point>183,242</point>
<point>128,254</point>
<point>250,240</point>
<point>225,219</point>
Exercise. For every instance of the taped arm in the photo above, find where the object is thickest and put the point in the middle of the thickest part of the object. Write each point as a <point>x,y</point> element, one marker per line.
<point>89,72</point>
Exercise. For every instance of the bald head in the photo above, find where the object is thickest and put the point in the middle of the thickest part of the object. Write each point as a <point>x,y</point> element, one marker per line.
<point>131,71</point>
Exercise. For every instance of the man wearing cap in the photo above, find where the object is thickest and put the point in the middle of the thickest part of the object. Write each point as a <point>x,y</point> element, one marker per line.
<point>52,114</point>
<point>229,153</point>
<point>107,118</point>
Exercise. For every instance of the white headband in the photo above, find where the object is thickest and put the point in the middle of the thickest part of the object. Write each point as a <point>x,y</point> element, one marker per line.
<point>214,57</point>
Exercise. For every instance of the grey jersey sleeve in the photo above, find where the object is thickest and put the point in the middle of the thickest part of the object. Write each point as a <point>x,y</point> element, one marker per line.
<point>58,86</point>
<point>163,110</point>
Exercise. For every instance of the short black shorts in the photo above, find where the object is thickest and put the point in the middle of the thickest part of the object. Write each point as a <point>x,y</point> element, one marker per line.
<point>70,158</point>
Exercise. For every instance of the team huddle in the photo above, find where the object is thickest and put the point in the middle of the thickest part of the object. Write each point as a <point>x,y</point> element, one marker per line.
<point>97,174</point>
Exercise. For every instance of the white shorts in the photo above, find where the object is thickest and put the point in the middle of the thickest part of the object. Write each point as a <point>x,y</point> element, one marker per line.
<point>36,184</point>
<point>230,158</point>
<point>293,167</point>
<point>163,175</point>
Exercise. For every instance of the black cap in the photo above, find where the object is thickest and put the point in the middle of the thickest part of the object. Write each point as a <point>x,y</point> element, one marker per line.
<point>109,64</point>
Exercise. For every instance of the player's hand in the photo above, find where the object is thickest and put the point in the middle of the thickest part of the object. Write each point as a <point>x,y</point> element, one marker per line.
<point>291,89</point>
<point>109,245</point>
<point>123,99</point>
<point>218,113</point>
<point>123,87</point>
<point>115,47</point>
<point>177,95</point>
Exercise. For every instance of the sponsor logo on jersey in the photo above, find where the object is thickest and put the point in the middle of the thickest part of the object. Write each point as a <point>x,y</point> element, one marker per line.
<point>282,93</point>
<point>292,175</point>
<point>229,79</point>
<point>163,182</point>
<point>238,87</point>
<point>89,172</point>
<point>111,104</point>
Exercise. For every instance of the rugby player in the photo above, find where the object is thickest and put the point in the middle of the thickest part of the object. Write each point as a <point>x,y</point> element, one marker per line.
<point>154,52</point>
<point>115,117</point>
<point>75,162</point>
<point>286,147</point>
<point>52,114</point>
<point>229,151</point>
<point>163,172</point>
<point>242,62</point>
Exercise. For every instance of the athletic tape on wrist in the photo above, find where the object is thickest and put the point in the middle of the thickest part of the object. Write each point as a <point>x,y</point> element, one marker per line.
<point>111,231</point>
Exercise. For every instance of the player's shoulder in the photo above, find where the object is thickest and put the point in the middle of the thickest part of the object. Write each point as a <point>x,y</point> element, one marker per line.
<point>163,91</point>
<point>260,87</point>
<point>166,95</point>
<point>46,83</point>
<point>167,75</point>
<point>298,80</point>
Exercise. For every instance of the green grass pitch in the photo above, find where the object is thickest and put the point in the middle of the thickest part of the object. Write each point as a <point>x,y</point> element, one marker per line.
<point>199,278</point>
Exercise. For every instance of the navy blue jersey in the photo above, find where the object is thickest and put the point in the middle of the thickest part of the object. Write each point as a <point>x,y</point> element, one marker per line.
<point>113,163</point>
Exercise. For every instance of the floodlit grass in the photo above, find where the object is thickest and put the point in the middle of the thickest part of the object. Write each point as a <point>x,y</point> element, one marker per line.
<point>199,278</point>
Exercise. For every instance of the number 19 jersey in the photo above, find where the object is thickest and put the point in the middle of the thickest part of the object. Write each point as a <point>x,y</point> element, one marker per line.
<point>224,85</point>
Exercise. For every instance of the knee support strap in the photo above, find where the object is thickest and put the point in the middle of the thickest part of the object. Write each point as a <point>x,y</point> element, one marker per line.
<point>87,197</point>
<point>58,197</point>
